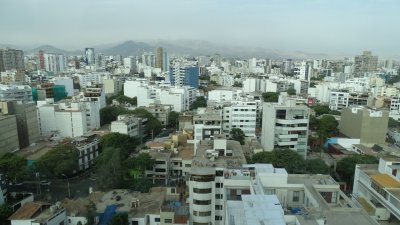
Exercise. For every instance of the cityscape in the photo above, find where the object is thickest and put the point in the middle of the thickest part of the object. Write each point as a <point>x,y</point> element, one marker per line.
<point>155,118</point>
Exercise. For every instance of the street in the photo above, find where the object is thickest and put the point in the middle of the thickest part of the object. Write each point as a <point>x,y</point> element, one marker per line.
<point>58,189</point>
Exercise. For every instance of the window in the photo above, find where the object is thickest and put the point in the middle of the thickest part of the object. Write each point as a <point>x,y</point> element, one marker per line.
<point>218,217</point>
<point>157,219</point>
<point>206,213</point>
<point>188,165</point>
<point>201,202</point>
<point>296,196</point>
<point>135,222</point>
<point>202,190</point>
<point>219,196</point>
<point>173,190</point>
<point>167,220</point>
<point>219,185</point>
<point>218,207</point>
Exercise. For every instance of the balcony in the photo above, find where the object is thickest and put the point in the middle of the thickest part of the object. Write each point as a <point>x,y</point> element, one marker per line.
<point>294,121</point>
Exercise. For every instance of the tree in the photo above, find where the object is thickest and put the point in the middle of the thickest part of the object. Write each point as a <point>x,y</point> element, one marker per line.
<point>282,158</point>
<point>200,102</point>
<point>62,159</point>
<point>12,166</point>
<point>237,84</point>
<point>346,167</point>
<point>327,127</point>
<point>335,112</point>
<point>124,142</point>
<point>109,169</point>
<point>119,219</point>
<point>5,213</point>
<point>110,113</point>
<point>91,212</point>
<point>173,118</point>
<point>270,96</point>
<point>291,91</point>
<point>313,122</point>
<point>153,125</point>
<point>317,166</point>
<point>321,110</point>
<point>392,123</point>
<point>238,135</point>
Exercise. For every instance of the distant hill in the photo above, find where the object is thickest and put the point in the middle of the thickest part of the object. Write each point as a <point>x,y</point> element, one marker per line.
<point>178,47</point>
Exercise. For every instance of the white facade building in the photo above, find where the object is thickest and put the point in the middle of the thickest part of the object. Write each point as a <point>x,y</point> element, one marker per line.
<point>89,79</point>
<point>285,125</point>
<point>242,115</point>
<point>126,124</point>
<point>15,93</point>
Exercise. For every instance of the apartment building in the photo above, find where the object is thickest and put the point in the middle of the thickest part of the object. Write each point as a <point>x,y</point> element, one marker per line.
<point>367,124</point>
<point>285,125</point>
<point>126,124</point>
<point>88,146</point>
<point>37,213</point>
<point>95,93</point>
<point>377,188</point>
<point>242,115</point>
<point>342,99</point>
<point>15,93</point>
<point>207,124</point>
<point>8,134</point>
<point>161,112</point>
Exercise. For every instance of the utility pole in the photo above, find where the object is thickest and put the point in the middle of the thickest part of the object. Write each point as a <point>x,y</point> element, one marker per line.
<point>69,191</point>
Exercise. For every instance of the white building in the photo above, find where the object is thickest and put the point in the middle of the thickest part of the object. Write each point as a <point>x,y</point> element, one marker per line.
<point>55,62</point>
<point>15,93</point>
<point>242,115</point>
<point>207,124</point>
<point>126,124</point>
<point>95,93</point>
<point>88,146</point>
<point>285,125</point>
<point>377,187</point>
<point>112,86</point>
<point>38,213</point>
<point>89,79</point>
<point>224,95</point>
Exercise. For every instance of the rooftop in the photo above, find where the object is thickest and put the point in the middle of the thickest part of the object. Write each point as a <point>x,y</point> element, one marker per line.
<point>385,181</point>
<point>230,162</point>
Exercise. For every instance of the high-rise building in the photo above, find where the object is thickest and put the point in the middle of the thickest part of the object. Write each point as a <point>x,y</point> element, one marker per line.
<point>365,63</point>
<point>41,60</point>
<point>181,76</point>
<point>55,62</point>
<point>159,58</point>
<point>285,125</point>
<point>11,59</point>
<point>165,62</point>
<point>89,56</point>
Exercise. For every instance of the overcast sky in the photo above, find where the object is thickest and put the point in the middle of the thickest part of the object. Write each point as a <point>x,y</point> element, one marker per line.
<point>323,26</point>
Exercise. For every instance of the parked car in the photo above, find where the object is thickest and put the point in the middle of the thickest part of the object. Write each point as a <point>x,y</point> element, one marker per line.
<point>45,182</point>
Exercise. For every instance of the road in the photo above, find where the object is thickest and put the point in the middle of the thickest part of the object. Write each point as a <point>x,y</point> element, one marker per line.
<point>58,189</point>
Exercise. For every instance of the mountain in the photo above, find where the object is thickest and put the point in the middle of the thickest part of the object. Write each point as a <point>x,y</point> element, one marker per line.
<point>178,47</point>
<point>128,48</point>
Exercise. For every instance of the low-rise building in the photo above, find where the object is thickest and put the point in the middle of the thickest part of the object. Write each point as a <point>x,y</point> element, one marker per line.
<point>88,146</point>
<point>126,124</point>
<point>38,213</point>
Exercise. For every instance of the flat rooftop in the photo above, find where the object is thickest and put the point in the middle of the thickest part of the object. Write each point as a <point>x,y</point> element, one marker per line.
<point>150,203</point>
<point>36,151</point>
<point>338,217</point>
<point>385,181</point>
<point>229,162</point>
<point>186,152</point>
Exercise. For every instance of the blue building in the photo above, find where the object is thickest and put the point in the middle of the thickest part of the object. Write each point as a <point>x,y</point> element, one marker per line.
<point>181,76</point>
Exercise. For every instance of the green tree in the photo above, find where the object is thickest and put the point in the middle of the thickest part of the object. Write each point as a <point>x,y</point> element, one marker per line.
<point>173,118</point>
<point>200,102</point>
<point>282,158</point>
<point>392,123</point>
<point>327,127</point>
<point>5,213</point>
<point>346,167</point>
<point>124,142</point>
<point>321,109</point>
<point>291,91</point>
<point>108,169</point>
<point>238,135</point>
<point>317,166</point>
<point>13,166</point>
<point>91,213</point>
<point>270,96</point>
<point>119,219</point>
<point>313,122</point>
<point>122,99</point>
<point>62,159</point>
<point>153,125</point>
<point>143,185</point>
<point>110,113</point>
<point>237,84</point>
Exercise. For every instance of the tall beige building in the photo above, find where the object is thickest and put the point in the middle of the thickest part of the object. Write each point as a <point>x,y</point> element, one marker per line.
<point>365,63</point>
<point>159,58</point>
<point>369,125</point>
<point>8,134</point>
<point>26,121</point>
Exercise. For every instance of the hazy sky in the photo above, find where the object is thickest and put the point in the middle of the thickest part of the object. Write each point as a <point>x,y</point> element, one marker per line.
<point>325,26</point>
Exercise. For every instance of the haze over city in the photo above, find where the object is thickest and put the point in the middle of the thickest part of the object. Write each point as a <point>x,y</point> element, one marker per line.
<point>319,26</point>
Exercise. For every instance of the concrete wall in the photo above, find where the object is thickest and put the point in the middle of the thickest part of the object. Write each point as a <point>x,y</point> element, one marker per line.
<point>8,134</point>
